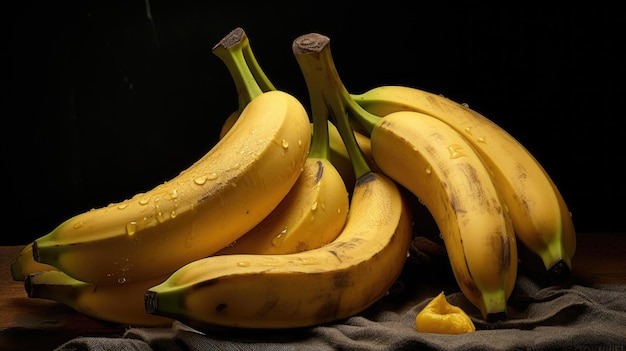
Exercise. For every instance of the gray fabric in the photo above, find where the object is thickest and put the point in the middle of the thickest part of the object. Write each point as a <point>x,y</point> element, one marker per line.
<point>572,317</point>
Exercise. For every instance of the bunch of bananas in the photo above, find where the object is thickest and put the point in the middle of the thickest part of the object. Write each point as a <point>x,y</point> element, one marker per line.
<point>298,217</point>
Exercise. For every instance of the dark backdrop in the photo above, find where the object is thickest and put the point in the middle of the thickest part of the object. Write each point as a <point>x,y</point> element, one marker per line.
<point>109,98</point>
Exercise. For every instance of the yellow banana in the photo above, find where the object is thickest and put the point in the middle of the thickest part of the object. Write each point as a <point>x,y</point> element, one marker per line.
<point>121,303</point>
<point>301,289</point>
<point>310,216</point>
<point>206,207</point>
<point>313,212</point>
<point>437,165</point>
<point>315,209</point>
<point>541,218</point>
<point>306,288</point>
<point>235,51</point>
<point>25,264</point>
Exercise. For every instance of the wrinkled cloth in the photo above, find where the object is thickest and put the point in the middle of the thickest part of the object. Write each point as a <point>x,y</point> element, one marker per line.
<point>539,317</point>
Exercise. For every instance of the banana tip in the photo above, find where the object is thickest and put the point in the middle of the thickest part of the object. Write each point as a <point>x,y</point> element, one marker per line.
<point>150,302</point>
<point>496,317</point>
<point>560,270</point>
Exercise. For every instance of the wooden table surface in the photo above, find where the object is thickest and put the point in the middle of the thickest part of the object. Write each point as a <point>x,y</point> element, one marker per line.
<point>35,324</point>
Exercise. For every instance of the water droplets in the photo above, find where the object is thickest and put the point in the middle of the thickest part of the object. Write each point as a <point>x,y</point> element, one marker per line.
<point>200,180</point>
<point>279,238</point>
<point>159,216</point>
<point>429,169</point>
<point>284,143</point>
<point>131,228</point>
<point>79,224</point>
<point>455,151</point>
<point>144,201</point>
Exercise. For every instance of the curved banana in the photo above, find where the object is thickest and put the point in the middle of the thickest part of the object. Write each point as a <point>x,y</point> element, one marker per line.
<point>25,264</point>
<point>437,165</point>
<point>311,215</point>
<point>443,171</point>
<point>315,209</point>
<point>303,289</point>
<point>235,51</point>
<point>121,303</point>
<point>206,207</point>
<point>541,219</point>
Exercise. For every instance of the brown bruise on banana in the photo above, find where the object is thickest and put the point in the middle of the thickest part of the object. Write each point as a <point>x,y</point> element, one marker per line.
<point>521,177</point>
<point>320,172</point>
<point>502,247</point>
<point>302,246</point>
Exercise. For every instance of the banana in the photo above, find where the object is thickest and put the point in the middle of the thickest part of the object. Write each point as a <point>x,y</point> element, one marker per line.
<point>25,264</point>
<point>541,219</point>
<point>315,209</point>
<point>220,197</point>
<point>121,303</point>
<point>436,164</point>
<point>311,215</point>
<point>236,52</point>
<point>307,288</point>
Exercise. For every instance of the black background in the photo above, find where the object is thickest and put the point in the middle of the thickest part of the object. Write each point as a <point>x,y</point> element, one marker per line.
<point>105,99</point>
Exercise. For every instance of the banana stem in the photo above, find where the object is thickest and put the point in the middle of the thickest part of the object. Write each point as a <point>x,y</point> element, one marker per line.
<point>258,73</point>
<point>312,51</point>
<point>356,112</point>
<point>320,142</point>
<point>231,51</point>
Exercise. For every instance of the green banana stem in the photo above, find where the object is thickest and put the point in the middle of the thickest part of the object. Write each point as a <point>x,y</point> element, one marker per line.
<point>231,51</point>
<point>257,71</point>
<point>312,51</point>
<point>357,113</point>
<point>320,141</point>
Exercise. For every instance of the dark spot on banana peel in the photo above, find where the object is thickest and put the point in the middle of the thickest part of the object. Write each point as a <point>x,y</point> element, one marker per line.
<point>342,280</point>
<point>501,247</point>
<point>302,246</point>
<point>220,307</point>
<point>366,178</point>
<point>320,171</point>
<point>470,172</point>
<point>334,253</point>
